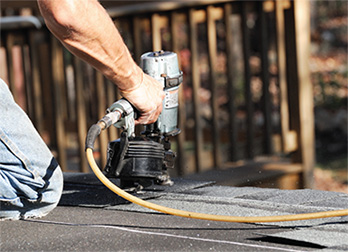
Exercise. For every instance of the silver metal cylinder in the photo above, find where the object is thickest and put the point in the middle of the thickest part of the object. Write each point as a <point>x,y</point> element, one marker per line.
<point>164,67</point>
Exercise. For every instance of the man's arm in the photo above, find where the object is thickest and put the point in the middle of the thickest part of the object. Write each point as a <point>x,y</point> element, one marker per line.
<point>85,29</point>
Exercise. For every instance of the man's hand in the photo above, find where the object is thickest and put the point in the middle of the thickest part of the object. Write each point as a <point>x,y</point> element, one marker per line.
<point>147,98</point>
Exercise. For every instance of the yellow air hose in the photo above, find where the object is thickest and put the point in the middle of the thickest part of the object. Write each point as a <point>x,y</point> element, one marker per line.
<point>202,216</point>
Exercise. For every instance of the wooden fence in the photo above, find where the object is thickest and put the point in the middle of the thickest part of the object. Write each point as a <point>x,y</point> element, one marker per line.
<point>246,92</point>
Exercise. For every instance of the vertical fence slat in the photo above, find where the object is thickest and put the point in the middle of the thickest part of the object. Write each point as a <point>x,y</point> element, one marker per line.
<point>111,98</point>
<point>27,79</point>
<point>45,66</point>
<point>304,123</point>
<point>195,89</point>
<point>11,75</point>
<point>247,83</point>
<point>266,101</point>
<point>36,81</point>
<point>156,32</point>
<point>284,105</point>
<point>212,51</point>
<point>103,138</point>
<point>4,58</point>
<point>58,82</point>
<point>81,121</point>
<point>20,74</point>
<point>289,142</point>
<point>231,70</point>
<point>182,110</point>
<point>137,38</point>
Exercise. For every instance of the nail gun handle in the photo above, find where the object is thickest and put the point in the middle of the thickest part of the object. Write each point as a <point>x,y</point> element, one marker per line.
<point>128,115</point>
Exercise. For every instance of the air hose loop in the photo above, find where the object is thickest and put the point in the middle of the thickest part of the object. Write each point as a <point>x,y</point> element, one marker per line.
<point>202,216</point>
<point>92,135</point>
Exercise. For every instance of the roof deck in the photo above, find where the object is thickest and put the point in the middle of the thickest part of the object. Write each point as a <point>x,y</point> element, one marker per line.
<point>92,218</point>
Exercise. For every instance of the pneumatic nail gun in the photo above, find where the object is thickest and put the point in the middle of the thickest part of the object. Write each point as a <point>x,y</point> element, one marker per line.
<point>140,161</point>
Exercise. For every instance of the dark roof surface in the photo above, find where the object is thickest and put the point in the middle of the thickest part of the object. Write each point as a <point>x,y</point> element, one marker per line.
<point>91,218</point>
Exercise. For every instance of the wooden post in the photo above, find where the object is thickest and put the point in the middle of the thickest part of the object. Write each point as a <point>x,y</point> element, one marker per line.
<point>81,114</point>
<point>304,125</point>
<point>137,38</point>
<point>195,89</point>
<point>58,82</point>
<point>103,138</point>
<point>233,73</point>
<point>11,75</point>
<point>47,88</point>
<point>212,51</point>
<point>266,101</point>
<point>247,84</point>
<point>284,105</point>
<point>36,82</point>
<point>27,80</point>
<point>181,112</point>
<point>15,43</point>
<point>111,97</point>
<point>288,137</point>
<point>156,32</point>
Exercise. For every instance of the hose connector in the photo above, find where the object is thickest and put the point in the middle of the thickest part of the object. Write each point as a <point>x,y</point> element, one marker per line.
<point>110,119</point>
<point>104,123</point>
<point>127,115</point>
<point>120,114</point>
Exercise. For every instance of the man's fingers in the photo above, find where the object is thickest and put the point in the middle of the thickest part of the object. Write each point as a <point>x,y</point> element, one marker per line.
<point>149,117</point>
<point>147,98</point>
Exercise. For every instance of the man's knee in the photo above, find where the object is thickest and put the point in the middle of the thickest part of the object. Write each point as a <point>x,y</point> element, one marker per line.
<point>22,204</point>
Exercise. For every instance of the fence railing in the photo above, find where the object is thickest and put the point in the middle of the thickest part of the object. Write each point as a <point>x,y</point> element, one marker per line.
<point>246,90</point>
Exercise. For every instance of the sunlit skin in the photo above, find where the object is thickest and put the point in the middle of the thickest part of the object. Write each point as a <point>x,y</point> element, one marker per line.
<point>86,30</point>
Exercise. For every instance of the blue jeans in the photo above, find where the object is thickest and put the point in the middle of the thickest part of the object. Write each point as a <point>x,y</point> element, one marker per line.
<point>31,180</point>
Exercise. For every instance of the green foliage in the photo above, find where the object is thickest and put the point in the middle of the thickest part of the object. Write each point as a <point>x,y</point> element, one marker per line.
<point>330,85</point>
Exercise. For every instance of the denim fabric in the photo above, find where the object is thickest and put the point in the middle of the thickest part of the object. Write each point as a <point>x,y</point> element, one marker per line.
<point>31,180</point>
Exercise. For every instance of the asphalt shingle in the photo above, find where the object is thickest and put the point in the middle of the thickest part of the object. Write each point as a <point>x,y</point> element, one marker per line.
<point>89,209</point>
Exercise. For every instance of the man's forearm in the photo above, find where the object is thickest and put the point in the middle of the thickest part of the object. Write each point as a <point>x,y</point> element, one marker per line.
<point>85,28</point>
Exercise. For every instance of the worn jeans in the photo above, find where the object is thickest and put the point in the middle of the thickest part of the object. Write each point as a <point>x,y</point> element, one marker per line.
<point>31,180</point>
